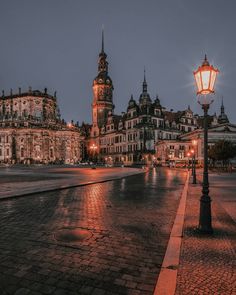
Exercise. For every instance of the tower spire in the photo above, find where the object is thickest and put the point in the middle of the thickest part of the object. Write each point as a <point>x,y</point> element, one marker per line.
<point>144,81</point>
<point>102,63</point>
<point>102,39</point>
<point>222,105</point>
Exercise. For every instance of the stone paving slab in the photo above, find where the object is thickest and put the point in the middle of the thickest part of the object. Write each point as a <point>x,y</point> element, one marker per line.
<point>207,262</point>
<point>21,182</point>
<point>129,221</point>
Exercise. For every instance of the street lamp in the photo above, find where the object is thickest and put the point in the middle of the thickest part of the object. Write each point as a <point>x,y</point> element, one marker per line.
<point>93,148</point>
<point>188,155</point>
<point>205,78</point>
<point>194,144</point>
<point>192,153</point>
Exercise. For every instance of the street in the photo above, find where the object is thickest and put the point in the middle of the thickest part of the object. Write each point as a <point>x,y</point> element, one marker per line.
<point>19,181</point>
<point>103,238</point>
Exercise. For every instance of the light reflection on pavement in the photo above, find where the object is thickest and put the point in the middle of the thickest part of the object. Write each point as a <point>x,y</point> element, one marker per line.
<point>128,220</point>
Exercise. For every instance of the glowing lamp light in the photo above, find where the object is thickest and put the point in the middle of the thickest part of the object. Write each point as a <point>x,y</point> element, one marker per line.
<point>205,78</point>
<point>194,142</point>
<point>93,147</point>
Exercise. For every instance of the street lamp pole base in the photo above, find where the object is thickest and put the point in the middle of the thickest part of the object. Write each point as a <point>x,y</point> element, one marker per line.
<point>205,215</point>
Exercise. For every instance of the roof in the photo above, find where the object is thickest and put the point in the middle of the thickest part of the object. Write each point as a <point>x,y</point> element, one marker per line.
<point>29,93</point>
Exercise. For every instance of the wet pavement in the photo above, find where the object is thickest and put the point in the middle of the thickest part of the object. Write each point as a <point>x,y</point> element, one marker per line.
<point>18,181</point>
<point>208,262</point>
<point>104,238</point>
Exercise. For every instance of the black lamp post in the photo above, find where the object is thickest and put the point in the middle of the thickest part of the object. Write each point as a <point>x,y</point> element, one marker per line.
<point>192,152</point>
<point>188,155</point>
<point>194,143</point>
<point>93,148</point>
<point>205,78</point>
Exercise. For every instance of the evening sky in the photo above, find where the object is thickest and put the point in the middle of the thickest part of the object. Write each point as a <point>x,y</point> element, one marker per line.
<point>55,44</point>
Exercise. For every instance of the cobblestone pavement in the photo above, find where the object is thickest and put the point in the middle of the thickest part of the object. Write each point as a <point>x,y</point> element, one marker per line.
<point>208,263</point>
<point>15,181</point>
<point>123,228</point>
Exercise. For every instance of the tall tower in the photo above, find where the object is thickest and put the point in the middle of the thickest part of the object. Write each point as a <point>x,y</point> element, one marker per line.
<point>102,93</point>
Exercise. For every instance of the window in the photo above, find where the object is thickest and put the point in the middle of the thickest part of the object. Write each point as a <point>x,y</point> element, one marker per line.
<point>0,152</point>
<point>22,152</point>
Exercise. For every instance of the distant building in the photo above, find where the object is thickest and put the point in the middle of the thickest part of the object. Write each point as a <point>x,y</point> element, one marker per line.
<point>176,151</point>
<point>31,130</point>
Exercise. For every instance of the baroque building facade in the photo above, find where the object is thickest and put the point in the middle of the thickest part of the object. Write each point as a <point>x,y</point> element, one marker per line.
<point>147,132</point>
<point>31,130</point>
<point>132,137</point>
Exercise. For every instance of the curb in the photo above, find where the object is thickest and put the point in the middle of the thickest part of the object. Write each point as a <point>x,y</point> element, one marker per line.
<point>20,195</point>
<point>166,283</point>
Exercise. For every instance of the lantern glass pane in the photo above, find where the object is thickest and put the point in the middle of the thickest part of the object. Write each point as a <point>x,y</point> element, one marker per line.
<point>205,79</point>
<point>213,79</point>
<point>198,81</point>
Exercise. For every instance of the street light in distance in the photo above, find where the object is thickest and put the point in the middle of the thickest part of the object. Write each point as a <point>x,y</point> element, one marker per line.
<point>194,144</point>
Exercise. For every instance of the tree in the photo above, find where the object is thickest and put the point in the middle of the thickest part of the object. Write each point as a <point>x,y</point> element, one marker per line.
<point>222,150</point>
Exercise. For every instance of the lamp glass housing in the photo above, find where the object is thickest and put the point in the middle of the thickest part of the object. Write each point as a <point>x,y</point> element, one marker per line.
<point>205,78</point>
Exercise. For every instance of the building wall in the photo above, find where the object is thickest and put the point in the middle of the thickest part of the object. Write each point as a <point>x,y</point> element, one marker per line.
<point>31,131</point>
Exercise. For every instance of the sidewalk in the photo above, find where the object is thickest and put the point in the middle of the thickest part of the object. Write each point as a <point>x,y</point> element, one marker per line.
<point>207,263</point>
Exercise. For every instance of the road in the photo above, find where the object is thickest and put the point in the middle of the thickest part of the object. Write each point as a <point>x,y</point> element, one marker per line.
<point>105,238</point>
<point>17,181</point>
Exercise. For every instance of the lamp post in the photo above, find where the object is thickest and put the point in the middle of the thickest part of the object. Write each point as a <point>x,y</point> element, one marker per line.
<point>93,148</point>
<point>188,155</point>
<point>205,78</point>
<point>192,153</point>
<point>194,143</point>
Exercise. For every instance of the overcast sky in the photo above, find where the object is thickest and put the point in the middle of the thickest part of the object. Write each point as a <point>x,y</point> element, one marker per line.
<point>55,44</point>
